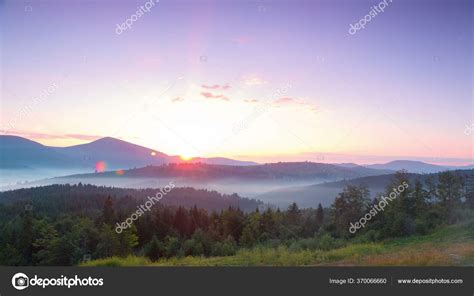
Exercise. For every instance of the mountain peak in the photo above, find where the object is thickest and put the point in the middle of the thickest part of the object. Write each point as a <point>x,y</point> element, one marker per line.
<point>108,140</point>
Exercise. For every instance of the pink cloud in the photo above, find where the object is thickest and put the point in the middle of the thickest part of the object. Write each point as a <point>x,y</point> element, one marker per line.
<point>34,135</point>
<point>209,95</point>
<point>286,100</point>
<point>82,137</point>
<point>216,86</point>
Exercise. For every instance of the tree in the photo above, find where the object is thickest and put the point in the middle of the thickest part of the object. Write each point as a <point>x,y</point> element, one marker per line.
<point>449,192</point>
<point>109,243</point>
<point>181,222</point>
<point>398,217</point>
<point>319,216</point>
<point>248,237</point>
<point>233,222</point>
<point>128,240</point>
<point>154,249</point>
<point>350,205</point>
<point>108,213</point>
<point>469,193</point>
<point>172,246</point>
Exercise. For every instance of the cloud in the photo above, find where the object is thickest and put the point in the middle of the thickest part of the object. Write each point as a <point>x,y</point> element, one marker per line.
<point>34,135</point>
<point>216,86</point>
<point>209,95</point>
<point>177,99</point>
<point>252,79</point>
<point>82,137</point>
<point>250,101</point>
<point>288,101</point>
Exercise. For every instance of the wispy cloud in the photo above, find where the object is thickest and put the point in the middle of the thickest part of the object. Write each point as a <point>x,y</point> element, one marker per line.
<point>252,79</point>
<point>250,101</point>
<point>288,101</point>
<point>216,86</point>
<point>43,136</point>
<point>82,137</point>
<point>209,95</point>
<point>177,99</point>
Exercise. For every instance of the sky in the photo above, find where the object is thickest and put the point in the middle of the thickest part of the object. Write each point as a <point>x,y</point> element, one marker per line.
<point>253,80</point>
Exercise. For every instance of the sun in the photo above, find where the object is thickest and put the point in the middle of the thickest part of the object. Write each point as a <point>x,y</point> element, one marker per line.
<point>186,157</point>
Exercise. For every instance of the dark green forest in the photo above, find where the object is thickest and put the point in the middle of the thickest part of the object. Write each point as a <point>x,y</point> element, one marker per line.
<point>69,224</point>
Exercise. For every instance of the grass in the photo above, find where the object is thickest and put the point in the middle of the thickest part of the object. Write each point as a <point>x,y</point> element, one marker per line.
<point>447,246</point>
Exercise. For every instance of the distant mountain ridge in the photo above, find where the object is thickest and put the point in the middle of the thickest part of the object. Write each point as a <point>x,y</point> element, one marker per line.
<point>91,198</point>
<point>17,152</point>
<point>418,167</point>
<point>325,193</point>
<point>21,153</point>
<point>285,171</point>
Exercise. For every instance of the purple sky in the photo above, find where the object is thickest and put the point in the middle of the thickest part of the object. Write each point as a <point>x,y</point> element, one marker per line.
<point>188,72</point>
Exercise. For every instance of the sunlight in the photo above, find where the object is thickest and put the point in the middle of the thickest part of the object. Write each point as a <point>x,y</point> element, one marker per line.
<point>186,157</point>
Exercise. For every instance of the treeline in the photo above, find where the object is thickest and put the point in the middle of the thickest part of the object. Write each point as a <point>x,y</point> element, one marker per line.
<point>41,237</point>
<point>89,199</point>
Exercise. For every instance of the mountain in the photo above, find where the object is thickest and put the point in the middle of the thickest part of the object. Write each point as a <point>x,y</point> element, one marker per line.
<point>20,153</point>
<point>348,165</point>
<point>115,153</point>
<point>118,154</point>
<point>249,181</point>
<point>325,193</point>
<point>23,160</point>
<point>283,171</point>
<point>221,161</point>
<point>88,198</point>
<point>418,167</point>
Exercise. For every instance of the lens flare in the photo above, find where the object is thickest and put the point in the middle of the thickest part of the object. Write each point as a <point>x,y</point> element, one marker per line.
<point>100,166</point>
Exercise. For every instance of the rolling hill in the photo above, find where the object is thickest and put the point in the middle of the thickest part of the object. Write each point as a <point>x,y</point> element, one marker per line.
<point>325,193</point>
<point>417,167</point>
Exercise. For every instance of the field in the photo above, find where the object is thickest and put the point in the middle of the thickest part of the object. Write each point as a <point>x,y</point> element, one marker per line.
<point>446,246</point>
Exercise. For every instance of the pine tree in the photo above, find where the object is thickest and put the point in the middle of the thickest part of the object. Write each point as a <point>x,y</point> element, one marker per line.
<point>108,213</point>
<point>319,216</point>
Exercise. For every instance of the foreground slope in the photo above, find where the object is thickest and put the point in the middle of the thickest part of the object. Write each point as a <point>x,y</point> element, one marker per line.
<point>447,246</point>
